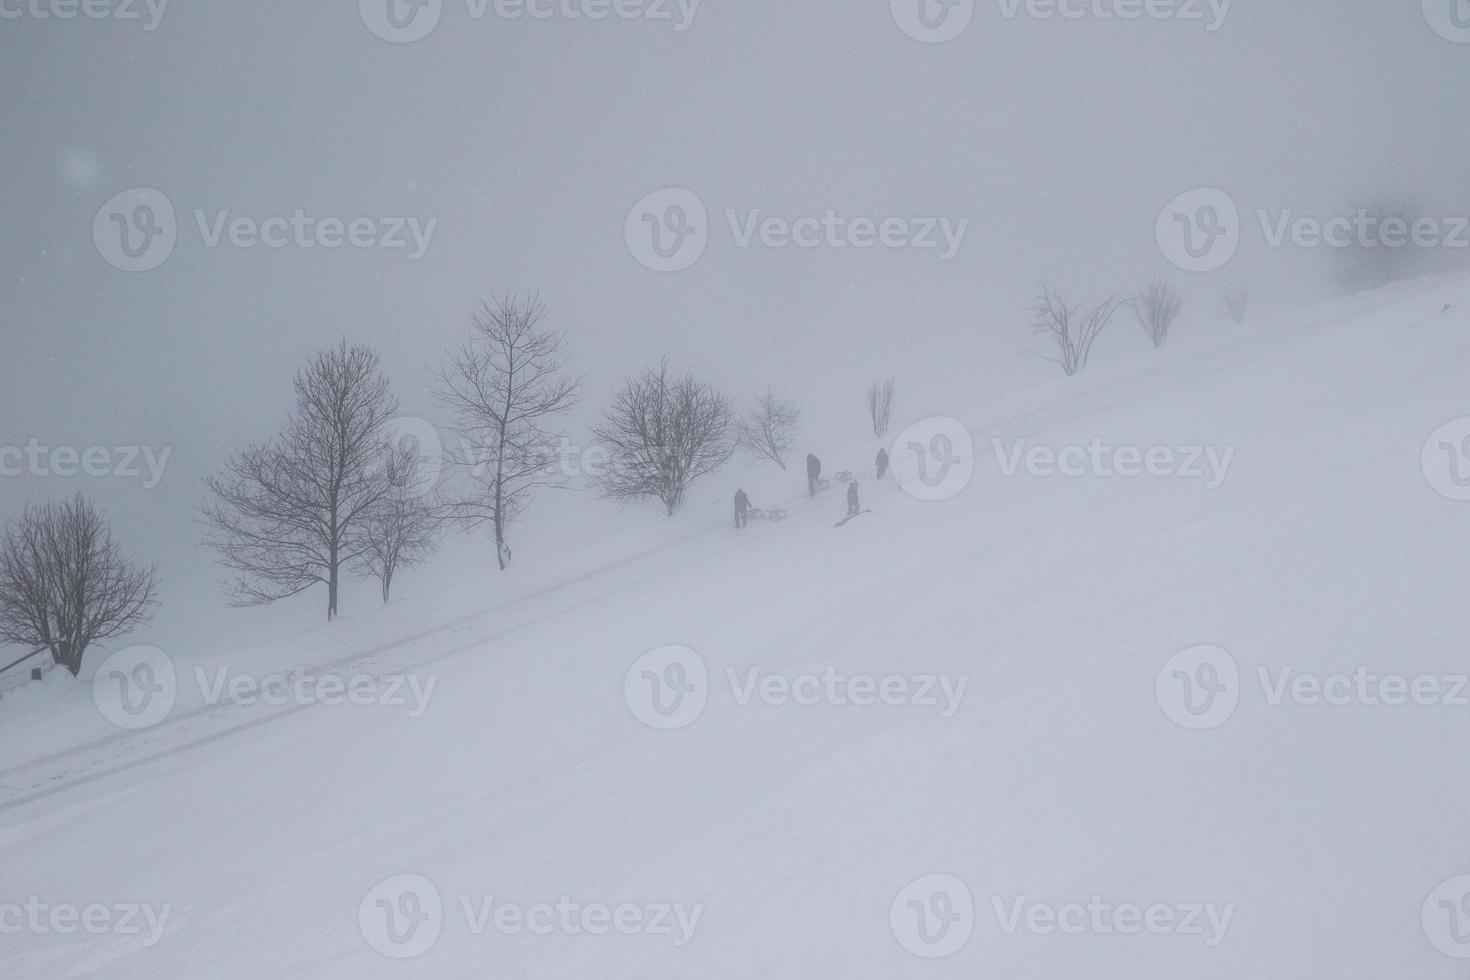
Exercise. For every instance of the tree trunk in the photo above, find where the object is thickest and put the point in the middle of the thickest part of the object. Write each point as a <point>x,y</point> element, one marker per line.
<point>332,588</point>
<point>500,493</point>
<point>387,584</point>
<point>63,655</point>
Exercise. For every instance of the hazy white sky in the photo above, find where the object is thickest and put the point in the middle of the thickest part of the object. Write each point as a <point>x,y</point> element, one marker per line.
<point>526,142</point>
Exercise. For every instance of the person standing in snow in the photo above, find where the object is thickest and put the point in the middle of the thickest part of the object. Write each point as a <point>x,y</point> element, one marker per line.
<point>882,462</point>
<point>742,504</point>
<point>852,499</point>
<point>813,473</point>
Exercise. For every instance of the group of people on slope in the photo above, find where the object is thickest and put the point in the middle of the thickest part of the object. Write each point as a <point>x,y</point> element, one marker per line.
<point>813,480</point>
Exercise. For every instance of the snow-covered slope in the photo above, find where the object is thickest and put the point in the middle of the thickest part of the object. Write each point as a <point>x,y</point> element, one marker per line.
<point>1055,778</point>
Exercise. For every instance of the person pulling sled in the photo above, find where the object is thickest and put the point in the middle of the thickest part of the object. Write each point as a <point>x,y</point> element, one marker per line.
<point>882,462</point>
<point>813,474</point>
<point>742,508</point>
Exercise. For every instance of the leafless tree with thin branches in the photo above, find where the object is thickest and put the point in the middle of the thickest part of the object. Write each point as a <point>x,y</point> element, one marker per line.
<point>1235,302</point>
<point>768,430</point>
<point>1157,306</point>
<point>662,434</point>
<point>880,406</point>
<point>504,386</point>
<point>402,531</point>
<point>289,514</point>
<point>1072,329</point>
<point>64,583</point>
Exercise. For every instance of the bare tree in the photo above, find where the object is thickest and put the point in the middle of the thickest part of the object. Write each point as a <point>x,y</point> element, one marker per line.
<point>64,583</point>
<point>1158,305</point>
<point>769,429</point>
<point>1070,328</point>
<point>1382,246</point>
<point>504,385</point>
<point>1235,302</point>
<point>880,406</point>
<point>290,513</point>
<point>662,434</point>
<point>403,529</point>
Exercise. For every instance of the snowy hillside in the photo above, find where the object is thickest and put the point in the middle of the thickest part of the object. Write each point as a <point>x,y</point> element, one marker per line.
<point>967,736</point>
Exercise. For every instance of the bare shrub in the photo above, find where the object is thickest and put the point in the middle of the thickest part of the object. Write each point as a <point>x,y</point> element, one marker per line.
<point>662,434</point>
<point>402,531</point>
<point>1072,329</point>
<point>768,430</point>
<point>1158,305</point>
<point>1235,302</point>
<point>880,406</point>
<point>64,583</point>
